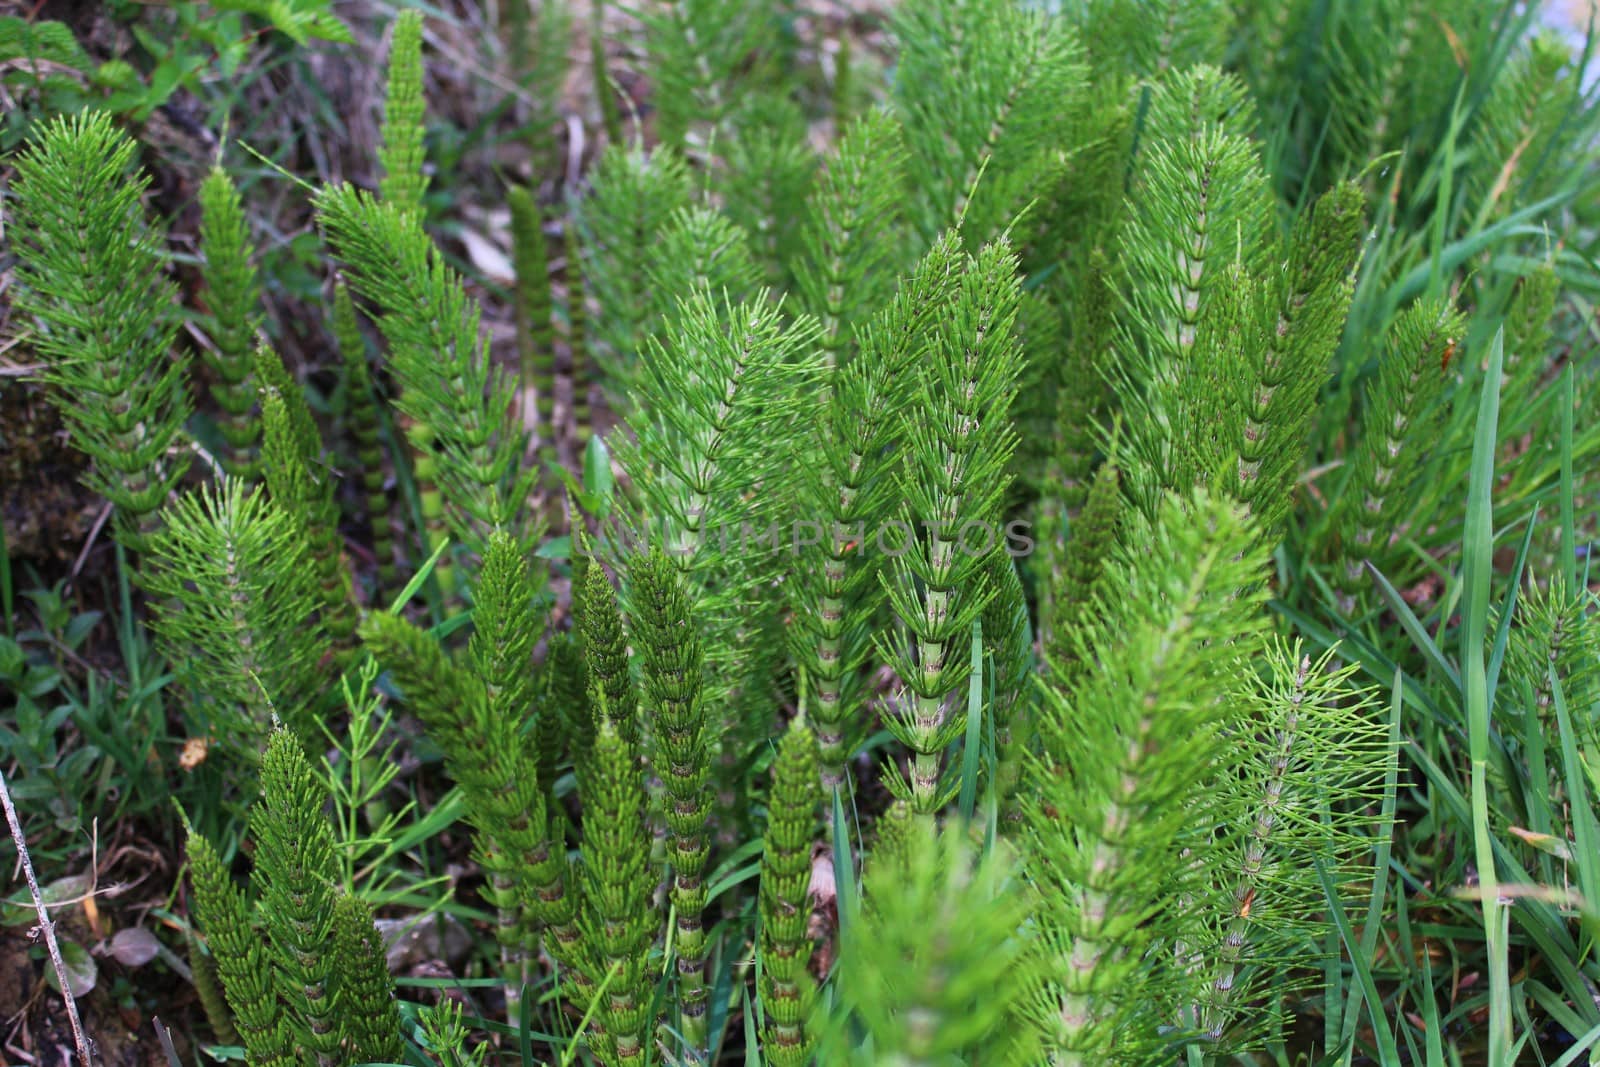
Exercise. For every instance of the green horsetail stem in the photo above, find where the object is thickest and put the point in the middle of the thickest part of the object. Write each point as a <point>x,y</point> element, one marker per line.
<point>955,478</point>
<point>787,988</point>
<point>605,649</point>
<point>536,338</point>
<point>619,920</point>
<point>107,346</point>
<point>208,989</point>
<point>366,1002</point>
<point>295,867</point>
<point>234,295</point>
<point>366,428</point>
<point>242,957</point>
<point>583,378</point>
<point>1094,535</point>
<point>515,840</point>
<point>1395,435</point>
<point>668,643</point>
<point>302,485</point>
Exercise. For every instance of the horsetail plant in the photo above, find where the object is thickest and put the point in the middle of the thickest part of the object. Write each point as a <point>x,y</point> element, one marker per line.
<point>1081,402</point>
<point>788,992</point>
<point>619,921</point>
<point>536,339</point>
<point>315,989</point>
<point>578,349</point>
<point>1298,797</point>
<point>701,251</point>
<point>1198,218</point>
<point>509,810</point>
<point>294,862</point>
<point>371,1017</point>
<point>605,651</point>
<point>1271,415</point>
<point>366,428</point>
<point>938,971</point>
<point>440,358</point>
<point>107,345</point>
<point>1400,412</point>
<point>302,486</point>
<point>531,886</point>
<point>1008,638</point>
<point>994,107</point>
<point>849,488</point>
<point>845,271</point>
<point>233,292</point>
<point>698,50</point>
<point>236,602</point>
<point>1072,275</point>
<point>1125,762</point>
<point>953,480</point>
<point>206,979</point>
<point>567,682</point>
<point>244,960</point>
<point>769,170</point>
<point>1083,563</point>
<point>400,147</point>
<point>632,195</point>
<point>673,707</point>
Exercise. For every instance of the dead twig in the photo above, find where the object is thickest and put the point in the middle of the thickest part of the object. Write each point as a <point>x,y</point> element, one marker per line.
<point>46,926</point>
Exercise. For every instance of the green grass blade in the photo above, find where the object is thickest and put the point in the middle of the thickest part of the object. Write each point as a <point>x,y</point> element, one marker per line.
<point>1413,627</point>
<point>1478,571</point>
<point>1366,985</point>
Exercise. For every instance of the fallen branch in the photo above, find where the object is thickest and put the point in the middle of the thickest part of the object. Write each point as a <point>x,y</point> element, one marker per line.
<point>46,925</point>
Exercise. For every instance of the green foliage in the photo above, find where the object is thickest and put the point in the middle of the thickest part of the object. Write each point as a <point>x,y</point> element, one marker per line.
<point>849,487</point>
<point>993,105</point>
<point>234,294</point>
<point>505,629</point>
<point>243,959</point>
<point>1199,232</point>
<point>770,169</point>
<point>366,428</point>
<point>536,339</point>
<point>439,355</point>
<point>605,651</point>
<point>619,920</point>
<point>236,604</point>
<point>300,20</point>
<point>366,1003</point>
<point>953,483</point>
<point>1008,648</point>
<point>302,487</point>
<point>672,680</point>
<point>106,344</point>
<point>315,988</point>
<point>1125,767</point>
<point>844,271</point>
<point>633,195</point>
<point>936,970</point>
<point>515,840</point>
<point>1083,564</point>
<point>788,992</point>
<point>1187,302</point>
<point>134,60</point>
<point>1398,425</point>
<point>294,861</point>
<point>401,152</point>
<point>698,49</point>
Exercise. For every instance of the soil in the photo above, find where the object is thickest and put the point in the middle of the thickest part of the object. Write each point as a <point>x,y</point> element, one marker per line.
<point>33,1019</point>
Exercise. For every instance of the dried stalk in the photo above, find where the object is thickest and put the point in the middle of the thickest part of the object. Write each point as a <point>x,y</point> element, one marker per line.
<point>45,925</point>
